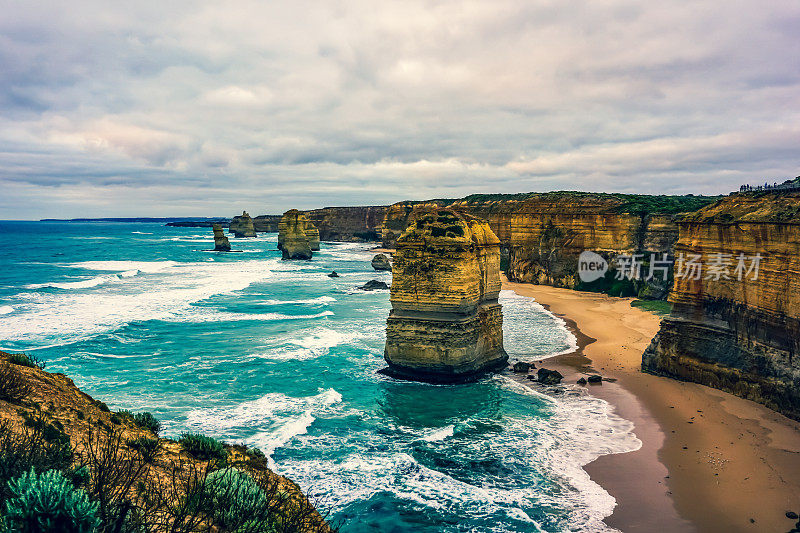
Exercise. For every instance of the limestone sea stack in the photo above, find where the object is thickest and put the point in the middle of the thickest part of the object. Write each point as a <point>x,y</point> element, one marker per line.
<point>221,243</point>
<point>293,235</point>
<point>313,236</point>
<point>446,324</point>
<point>242,226</point>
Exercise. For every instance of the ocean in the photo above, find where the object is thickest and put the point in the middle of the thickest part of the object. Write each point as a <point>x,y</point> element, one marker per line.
<point>276,354</point>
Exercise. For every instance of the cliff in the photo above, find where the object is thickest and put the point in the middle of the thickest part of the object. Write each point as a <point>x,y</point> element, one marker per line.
<point>295,235</point>
<point>445,323</point>
<point>348,223</point>
<point>266,223</point>
<point>128,473</point>
<point>242,226</point>
<point>736,325</point>
<point>542,234</point>
<point>221,243</point>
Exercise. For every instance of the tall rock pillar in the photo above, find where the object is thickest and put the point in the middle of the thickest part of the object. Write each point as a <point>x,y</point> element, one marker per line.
<point>446,324</point>
<point>297,237</point>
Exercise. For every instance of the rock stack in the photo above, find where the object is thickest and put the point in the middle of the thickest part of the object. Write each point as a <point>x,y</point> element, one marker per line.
<point>242,226</point>
<point>446,324</point>
<point>221,243</point>
<point>296,236</point>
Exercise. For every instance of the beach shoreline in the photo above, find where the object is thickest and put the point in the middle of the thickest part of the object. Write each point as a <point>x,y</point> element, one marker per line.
<point>709,461</point>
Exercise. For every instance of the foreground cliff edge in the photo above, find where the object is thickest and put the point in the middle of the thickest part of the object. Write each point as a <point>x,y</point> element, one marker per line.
<point>445,324</point>
<point>738,328</point>
<point>121,474</point>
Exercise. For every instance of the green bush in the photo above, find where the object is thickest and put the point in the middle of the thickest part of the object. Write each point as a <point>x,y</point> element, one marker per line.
<point>149,448</point>
<point>237,502</point>
<point>203,447</point>
<point>30,361</point>
<point>146,420</point>
<point>48,502</point>
<point>255,453</point>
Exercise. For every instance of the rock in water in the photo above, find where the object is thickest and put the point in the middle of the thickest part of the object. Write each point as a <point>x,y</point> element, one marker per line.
<point>333,275</point>
<point>242,226</point>
<point>221,243</point>
<point>446,324</point>
<point>373,285</point>
<point>381,262</point>
<point>293,235</point>
<point>521,367</point>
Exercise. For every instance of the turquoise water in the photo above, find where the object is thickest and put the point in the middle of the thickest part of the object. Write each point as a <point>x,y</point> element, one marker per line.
<point>275,354</point>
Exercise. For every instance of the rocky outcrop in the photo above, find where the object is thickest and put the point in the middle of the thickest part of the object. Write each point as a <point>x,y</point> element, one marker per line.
<point>542,235</point>
<point>221,243</point>
<point>446,323</point>
<point>736,327</point>
<point>293,235</point>
<point>313,237</point>
<point>242,226</point>
<point>354,224</point>
<point>381,262</point>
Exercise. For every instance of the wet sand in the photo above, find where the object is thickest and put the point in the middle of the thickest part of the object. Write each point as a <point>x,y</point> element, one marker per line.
<point>709,461</point>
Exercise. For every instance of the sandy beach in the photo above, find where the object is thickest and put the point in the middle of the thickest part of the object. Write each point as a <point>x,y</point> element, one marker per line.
<point>709,461</point>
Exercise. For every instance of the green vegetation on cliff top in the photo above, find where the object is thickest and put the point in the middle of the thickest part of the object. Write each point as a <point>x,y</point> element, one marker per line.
<point>640,204</point>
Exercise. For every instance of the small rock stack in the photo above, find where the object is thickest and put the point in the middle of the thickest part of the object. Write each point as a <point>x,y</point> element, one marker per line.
<point>221,243</point>
<point>446,324</point>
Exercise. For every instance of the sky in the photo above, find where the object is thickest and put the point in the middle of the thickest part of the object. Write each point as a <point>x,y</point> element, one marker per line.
<point>198,108</point>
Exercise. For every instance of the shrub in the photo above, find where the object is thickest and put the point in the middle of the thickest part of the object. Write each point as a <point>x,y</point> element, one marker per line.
<point>255,453</point>
<point>237,502</point>
<point>52,433</point>
<point>25,449</point>
<point>48,502</point>
<point>149,448</point>
<point>202,447</point>
<point>146,420</point>
<point>13,386</point>
<point>31,361</point>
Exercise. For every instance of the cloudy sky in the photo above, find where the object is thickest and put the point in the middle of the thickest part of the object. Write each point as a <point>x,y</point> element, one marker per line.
<point>175,108</point>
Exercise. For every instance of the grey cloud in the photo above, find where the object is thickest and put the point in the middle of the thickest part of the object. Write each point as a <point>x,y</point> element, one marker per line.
<point>153,104</point>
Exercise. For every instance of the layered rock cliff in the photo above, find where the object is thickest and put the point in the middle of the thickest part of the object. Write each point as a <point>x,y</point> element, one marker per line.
<point>544,233</point>
<point>295,234</point>
<point>736,325</point>
<point>221,242</point>
<point>354,224</point>
<point>242,226</point>
<point>445,323</point>
<point>266,223</point>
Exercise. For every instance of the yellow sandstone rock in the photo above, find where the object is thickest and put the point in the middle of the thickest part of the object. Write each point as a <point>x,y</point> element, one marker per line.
<point>735,330</point>
<point>446,323</point>
<point>294,230</point>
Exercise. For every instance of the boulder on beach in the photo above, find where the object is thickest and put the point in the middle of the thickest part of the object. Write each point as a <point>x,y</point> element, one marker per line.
<point>373,285</point>
<point>582,381</point>
<point>595,378</point>
<point>221,243</point>
<point>549,377</point>
<point>381,262</point>
<point>521,367</point>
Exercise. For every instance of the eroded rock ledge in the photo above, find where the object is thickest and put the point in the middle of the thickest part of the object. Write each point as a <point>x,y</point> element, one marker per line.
<point>446,324</point>
<point>741,336</point>
<point>242,226</point>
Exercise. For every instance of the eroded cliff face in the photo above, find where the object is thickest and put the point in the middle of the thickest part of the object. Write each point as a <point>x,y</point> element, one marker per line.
<point>354,224</point>
<point>445,323</point>
<point>543,234</point>
<point>732,329</point>
<point>297,237</point>
<point>242,226</point>
<point>266,223</point>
